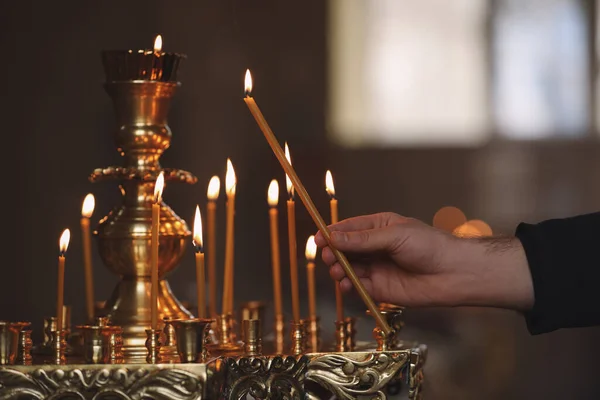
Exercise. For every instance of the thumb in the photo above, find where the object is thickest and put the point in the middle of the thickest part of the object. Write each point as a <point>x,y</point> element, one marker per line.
<point>369,240</point>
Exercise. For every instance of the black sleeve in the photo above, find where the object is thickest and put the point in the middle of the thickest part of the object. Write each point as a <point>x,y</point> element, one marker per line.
<point>564,260</point>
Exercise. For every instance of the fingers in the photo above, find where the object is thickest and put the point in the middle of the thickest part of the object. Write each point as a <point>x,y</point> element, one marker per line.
<point>368,241</point>
<point>337,272</point>
<point>360,223</point>
<point>347,286</point>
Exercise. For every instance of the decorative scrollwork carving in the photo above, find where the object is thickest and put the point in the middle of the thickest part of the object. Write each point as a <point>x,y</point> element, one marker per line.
<point>348,378</point>
<point>134,173</point>
<point>122,383</point>
<point>416,374</point>
<point>266,378</point>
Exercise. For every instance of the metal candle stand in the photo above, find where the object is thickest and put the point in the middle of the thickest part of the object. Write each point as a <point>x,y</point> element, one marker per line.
<point>117,355</point>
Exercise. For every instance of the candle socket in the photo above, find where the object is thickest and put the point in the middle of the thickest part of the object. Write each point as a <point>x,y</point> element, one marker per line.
<point>341,336</point>
<point>226,340</point>
<point>393,316</point>
<point>314,334</point>
<point>153,346</point>
<point>298,335</point>
<point>350,333</point>
<point>101,321</point>
<point>113,344</point>
<point>279,334</point>
<point>192,335</point>
<point>5,343</point>
<point>59,346</point>
<point>252,335</point>
<point>168,350</point>
<point>93,343</point>
<point>254,310</point>
<point>24,346</point>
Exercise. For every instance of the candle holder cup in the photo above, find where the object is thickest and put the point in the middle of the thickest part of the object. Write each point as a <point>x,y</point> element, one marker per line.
<point>341,336</point>
<point>252,336</point>
<point>113,344</point>
<point>350,327</point>
<point>59,347</point>
<point>93,343</point>
<point>24,346</point>
<point>393,316</point>
<point>153,346</point>
<point>168,350</point>
<point>253,310</point>
<point>191,336</point>
<point>298,336</point>
<point>225,344</point>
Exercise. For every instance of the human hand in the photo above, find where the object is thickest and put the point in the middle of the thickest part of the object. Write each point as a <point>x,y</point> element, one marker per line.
<point>403,261</point>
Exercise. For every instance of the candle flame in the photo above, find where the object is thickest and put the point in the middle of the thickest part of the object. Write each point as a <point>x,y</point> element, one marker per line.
<point>64,241</point>
<point>158,187</point>
<point>248,83</point>
<point>311,248</point>
<point>288,182</point>
<point>214,187</point>
<point>273,193</point>
<point>158,44</point>
<point>87,209</point>
<point>329,184</point>
<point>230,179</point>
<point>197,238</point>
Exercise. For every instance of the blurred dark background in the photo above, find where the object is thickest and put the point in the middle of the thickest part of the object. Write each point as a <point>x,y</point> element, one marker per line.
<point>486,106</point>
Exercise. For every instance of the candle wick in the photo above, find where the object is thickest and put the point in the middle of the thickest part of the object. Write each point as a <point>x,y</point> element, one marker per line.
<point>62,253</point>
<point>198,249</point>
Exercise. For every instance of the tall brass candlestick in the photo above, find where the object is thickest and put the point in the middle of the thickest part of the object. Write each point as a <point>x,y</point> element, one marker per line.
<point>312,210</point>
<point>273,200</point>
<point>158,189</point>
<point>293,245</point>
<point>230,186</point>
<point>60,300</point>
<point>310,253</point>
<point>333,207</point>
<point>214,188</point>
<point>86,212</point>
<point>200,281</point>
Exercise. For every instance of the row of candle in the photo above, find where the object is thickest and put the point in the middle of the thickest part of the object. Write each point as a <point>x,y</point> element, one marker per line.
<point>197,240</point>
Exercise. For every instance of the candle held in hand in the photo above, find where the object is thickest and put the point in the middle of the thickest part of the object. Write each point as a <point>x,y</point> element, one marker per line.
<point>310,207</point>
<point>158,189</point>
<point>200,283</point>
<point>273,200</point>
<point>214,187</point>
<point>63,245</point>
<point>310,253</point>
<point>333,207</point>
<point>230,186</point>
<point>87,210</point>
<point>293,245</point>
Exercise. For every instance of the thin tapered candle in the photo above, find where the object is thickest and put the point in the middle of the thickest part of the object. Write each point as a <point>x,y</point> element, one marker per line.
<point>60,292</point>
<point>200,280</point>
<point>273,200</point>
<point>214,187</point>
<point>308,203</point>
<point>333,207</point>
<point>230,186</point>
<point>310,253</point>
<point>158,189</point>
<point>293,245</point>
<point>87,210</point>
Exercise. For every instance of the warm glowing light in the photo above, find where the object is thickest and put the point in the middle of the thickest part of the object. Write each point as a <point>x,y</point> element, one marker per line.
<point>64,241</point>
<point>311,248</point>
<point>288,182</point>
<point>329,184</point>
<point>449,218</point>
<point>158,44</point>
<point>273,193</point>
<point>87,209</point>
<point>248,83</point>
<point>230,179</point>
<point>197,238</point>
<point>467,230</point>
<point>214,187</point>
<point>483,228</point>
<point>158,187</point>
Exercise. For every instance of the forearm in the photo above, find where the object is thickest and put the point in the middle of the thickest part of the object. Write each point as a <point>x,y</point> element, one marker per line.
<point>494,273</point>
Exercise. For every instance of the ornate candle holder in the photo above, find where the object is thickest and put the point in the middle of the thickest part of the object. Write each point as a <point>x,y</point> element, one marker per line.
<point>113,344</point>
<point>141,85</point>
<point>168,350</point>
<point>225,344</point>
<point>24,346</point>
<point>153,346</point>
<point>93,344</point>
<point>6,342</point>
<point>341,336</point>
<point>350,327</point>
<point>252,337</point>
<point>253,310</point>
<point>191,339</point>
<point>392,315</point>
<point>298,337</point>
<point>59,346</point>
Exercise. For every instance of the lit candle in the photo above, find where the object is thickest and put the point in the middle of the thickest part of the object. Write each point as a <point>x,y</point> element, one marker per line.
<point>156,64</point>
<point>214,187</point>
<point>230,185</point>
<point>291,214</point>
<point>86,212</point>
<point>158,189</point>
<point>60,300</point>
<point>310,253</point>
<point>200,283</point>
<point>333,207</point>
<point>273,200</point>
<point>310,206</point>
